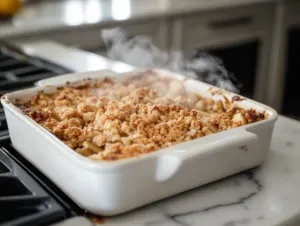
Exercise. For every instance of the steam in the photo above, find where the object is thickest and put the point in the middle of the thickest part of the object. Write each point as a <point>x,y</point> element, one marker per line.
<point>140,51</point>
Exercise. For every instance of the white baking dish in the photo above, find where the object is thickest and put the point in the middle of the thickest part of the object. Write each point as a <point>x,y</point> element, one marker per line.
<point>109,188</point>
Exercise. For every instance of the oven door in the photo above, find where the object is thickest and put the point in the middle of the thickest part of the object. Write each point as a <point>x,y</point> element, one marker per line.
<point>291,105</point>
<point>241,61</point>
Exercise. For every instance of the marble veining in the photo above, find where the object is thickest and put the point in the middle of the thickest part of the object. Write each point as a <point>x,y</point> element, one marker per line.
<point>243,179</point>
<point>237,201</point>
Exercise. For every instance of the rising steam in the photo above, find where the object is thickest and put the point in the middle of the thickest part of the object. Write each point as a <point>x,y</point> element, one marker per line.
<point>139,51</point>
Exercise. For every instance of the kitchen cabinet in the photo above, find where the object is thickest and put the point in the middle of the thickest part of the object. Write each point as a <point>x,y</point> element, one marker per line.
<point>239,36</point>
<point>156,30</point>
<point>248,36</point>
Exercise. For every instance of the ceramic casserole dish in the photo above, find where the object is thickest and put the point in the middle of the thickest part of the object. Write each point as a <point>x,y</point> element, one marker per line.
<point>113,187</point>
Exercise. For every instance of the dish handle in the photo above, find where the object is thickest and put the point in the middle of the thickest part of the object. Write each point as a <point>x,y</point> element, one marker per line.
<point>173,158</point>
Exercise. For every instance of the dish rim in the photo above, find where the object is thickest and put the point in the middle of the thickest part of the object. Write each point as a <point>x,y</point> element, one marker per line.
<point>101,165</point>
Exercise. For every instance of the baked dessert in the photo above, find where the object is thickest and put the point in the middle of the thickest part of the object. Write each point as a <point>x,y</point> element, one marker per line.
<point>107,120</point>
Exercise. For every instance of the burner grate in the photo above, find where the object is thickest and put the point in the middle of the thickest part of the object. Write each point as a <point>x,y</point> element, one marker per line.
<point>19,71</point>
<point>3,168</point>
<point>22,200</point>
<point>27,197</point>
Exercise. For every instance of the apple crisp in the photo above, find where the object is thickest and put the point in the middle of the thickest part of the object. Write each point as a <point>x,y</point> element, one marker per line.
<point>108,120</point>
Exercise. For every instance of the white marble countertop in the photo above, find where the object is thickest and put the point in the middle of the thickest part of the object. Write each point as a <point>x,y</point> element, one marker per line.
<point>265,196</point>
<point>50,15</point>
<point>74,59</point>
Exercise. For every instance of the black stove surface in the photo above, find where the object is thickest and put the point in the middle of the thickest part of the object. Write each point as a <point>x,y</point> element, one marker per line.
<point>27,197</point>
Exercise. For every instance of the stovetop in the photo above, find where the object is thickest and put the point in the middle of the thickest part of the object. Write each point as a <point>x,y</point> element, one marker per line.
<point>27,197</point>
<point>19,71</point>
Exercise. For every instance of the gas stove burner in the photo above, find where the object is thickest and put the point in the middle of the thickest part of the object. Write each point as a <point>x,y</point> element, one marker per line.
<point>26,196</point>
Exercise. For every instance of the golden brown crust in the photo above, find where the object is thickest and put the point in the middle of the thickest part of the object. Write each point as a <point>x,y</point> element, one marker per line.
<point>110,121</point>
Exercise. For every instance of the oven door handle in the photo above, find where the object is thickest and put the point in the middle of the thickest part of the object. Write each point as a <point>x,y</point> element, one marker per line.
<point>231,23</point>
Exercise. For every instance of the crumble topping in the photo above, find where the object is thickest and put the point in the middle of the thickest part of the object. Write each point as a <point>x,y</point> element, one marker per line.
<point>109,121</point>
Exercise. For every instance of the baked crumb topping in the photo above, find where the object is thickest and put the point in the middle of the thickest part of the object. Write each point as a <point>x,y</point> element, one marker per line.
<point>109,121</point>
